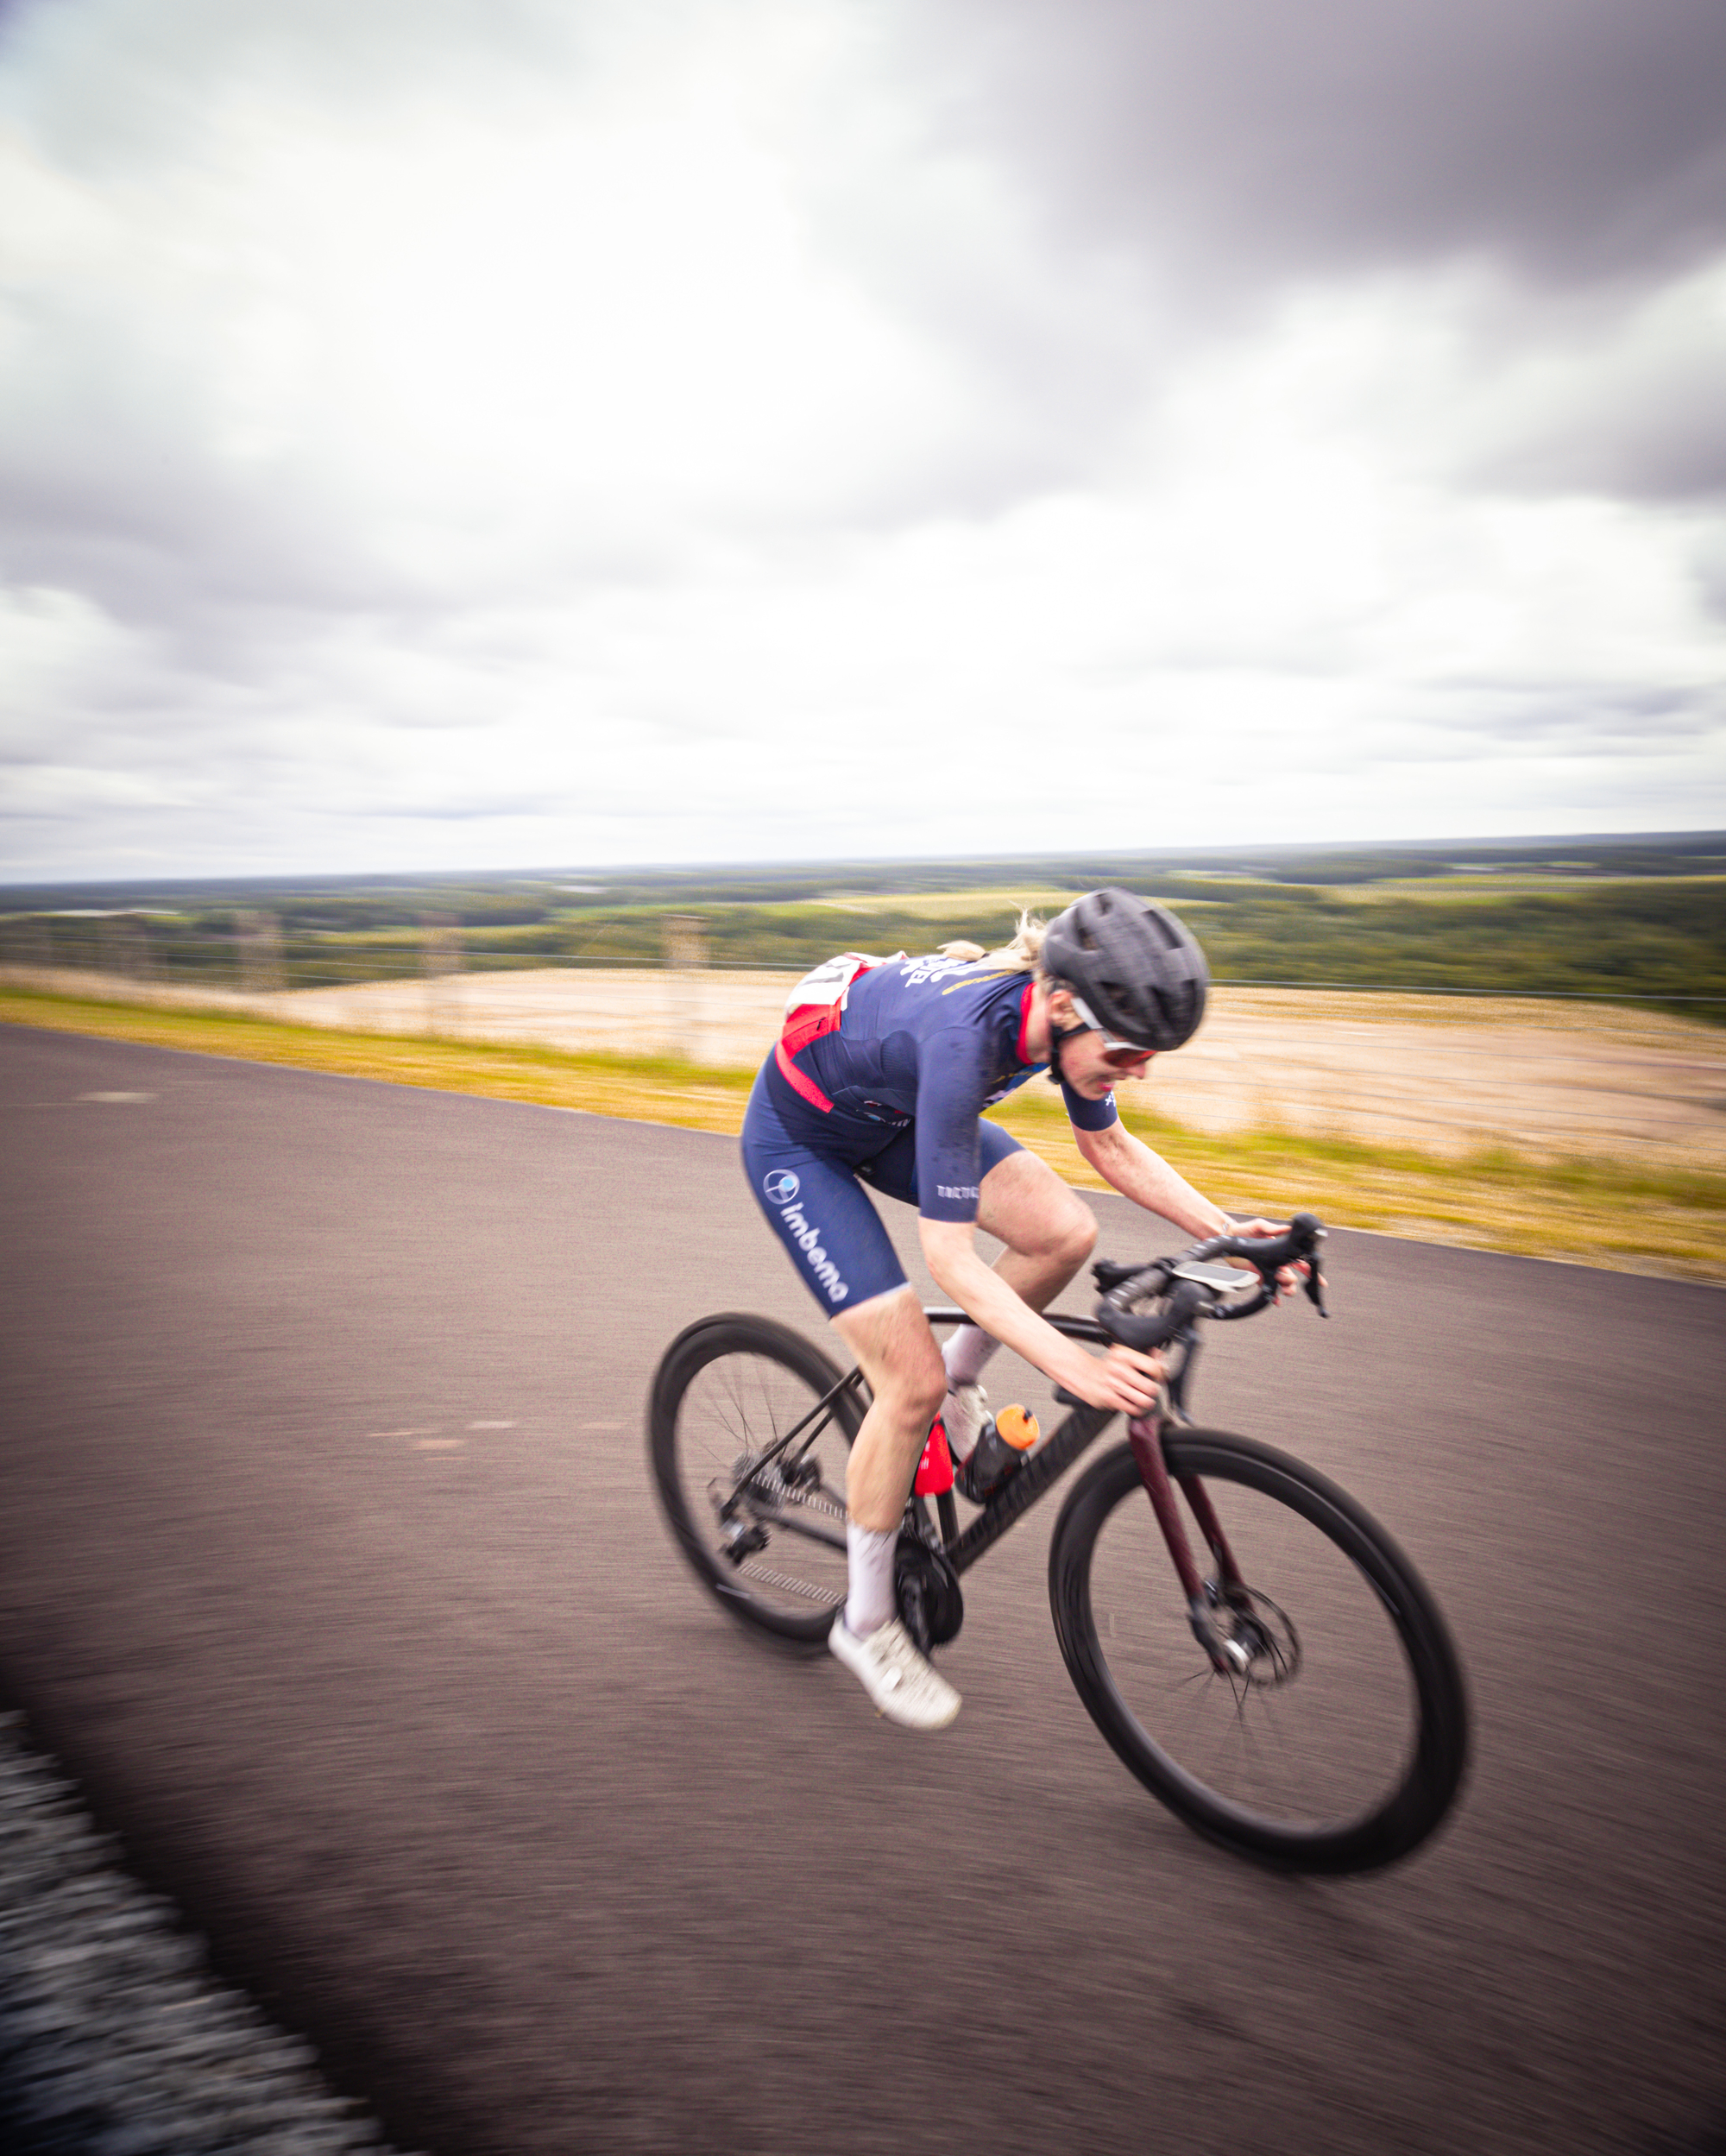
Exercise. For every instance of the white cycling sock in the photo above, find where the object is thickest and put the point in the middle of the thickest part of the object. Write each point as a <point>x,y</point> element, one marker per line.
<point>871,1602</point>
<point>965,1354</point>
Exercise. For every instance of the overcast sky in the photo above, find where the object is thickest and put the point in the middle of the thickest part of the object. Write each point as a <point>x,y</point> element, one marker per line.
<point>498,433</point>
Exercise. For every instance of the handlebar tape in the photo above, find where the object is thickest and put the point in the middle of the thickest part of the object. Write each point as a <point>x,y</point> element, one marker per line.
<point>1155,1329</point>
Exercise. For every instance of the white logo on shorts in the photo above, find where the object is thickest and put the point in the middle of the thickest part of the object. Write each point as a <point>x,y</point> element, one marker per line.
<point>781,1187</point>
<point>808,1241</point>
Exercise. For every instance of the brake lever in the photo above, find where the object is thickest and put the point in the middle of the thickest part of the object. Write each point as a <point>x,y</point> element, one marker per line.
<point>1299,1247</point>
<point>1312,1235</point>
<point>1121,1285</point>
<point>1153,1332</point>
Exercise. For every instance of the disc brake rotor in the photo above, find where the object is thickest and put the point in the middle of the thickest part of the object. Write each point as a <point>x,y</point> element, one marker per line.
<point>1265,1646</point>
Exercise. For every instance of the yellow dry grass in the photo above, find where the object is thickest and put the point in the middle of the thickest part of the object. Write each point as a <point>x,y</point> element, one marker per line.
<point>1663,1220</point>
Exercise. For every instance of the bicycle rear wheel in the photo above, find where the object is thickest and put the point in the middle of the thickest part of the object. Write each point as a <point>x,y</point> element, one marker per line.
<point>1339,1741</point>
<point>761,1520</point>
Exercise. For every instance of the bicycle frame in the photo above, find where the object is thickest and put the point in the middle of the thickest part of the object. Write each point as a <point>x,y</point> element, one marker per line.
<point>1045,1467</point>
<point>1041,1473</point>
<point>1144,1433</point>
<point>749,1421</point>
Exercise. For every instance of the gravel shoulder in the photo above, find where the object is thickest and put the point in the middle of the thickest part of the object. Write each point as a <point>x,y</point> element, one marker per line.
<point>115,2039</point>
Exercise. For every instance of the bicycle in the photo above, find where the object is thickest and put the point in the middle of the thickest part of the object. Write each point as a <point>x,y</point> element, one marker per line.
<point>1297,1699</point>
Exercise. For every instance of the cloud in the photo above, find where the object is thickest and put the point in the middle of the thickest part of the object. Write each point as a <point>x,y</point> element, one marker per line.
<point>1572,140</point>
<point>699,430</point>
<point>1630,407</point>
<point>1565,716</point>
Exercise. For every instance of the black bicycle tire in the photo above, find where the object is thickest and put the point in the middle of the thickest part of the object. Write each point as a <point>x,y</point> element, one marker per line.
<point>1416,1807</point>
<point>733,1333</point>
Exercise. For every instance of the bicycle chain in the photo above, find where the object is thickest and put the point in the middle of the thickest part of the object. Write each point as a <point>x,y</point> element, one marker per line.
<point>788,1586</point>
<point>773,1485</point>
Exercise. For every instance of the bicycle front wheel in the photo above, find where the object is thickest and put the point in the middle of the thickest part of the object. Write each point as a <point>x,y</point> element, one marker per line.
<point>1339,1739</point>
<point>750,1470</point>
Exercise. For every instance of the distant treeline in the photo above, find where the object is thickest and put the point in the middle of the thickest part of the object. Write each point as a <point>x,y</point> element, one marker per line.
<point>1626,919</point>
<point>356,902</point>
<point>1664,939</point>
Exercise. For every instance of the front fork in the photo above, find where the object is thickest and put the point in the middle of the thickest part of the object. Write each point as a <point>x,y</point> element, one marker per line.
<point>1144,1434</point>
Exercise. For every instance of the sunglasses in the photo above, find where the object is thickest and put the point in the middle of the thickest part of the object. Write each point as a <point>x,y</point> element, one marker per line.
<point>1122,1055</point>
<point>1117,1054</point>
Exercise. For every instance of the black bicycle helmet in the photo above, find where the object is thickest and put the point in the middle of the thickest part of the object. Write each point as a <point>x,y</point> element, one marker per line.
<point>1130,967</point>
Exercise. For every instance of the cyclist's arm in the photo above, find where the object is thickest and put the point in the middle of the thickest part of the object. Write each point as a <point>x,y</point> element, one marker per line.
<point>1129,1165</point>
<point>1145,1177</point>
<point>954,1074</point>
<point>1122,1379</point>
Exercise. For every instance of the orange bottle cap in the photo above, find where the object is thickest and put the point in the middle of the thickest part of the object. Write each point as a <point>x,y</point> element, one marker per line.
<point>1018,1428</point>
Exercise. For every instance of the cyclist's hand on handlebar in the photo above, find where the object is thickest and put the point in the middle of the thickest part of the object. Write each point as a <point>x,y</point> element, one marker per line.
<point>1289,1276</point>
<point>1123,1379</point>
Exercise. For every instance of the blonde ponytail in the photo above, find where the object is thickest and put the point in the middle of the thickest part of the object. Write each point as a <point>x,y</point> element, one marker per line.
<point>1022,955</point>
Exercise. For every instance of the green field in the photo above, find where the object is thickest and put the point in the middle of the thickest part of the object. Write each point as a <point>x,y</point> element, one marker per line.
<point>1627,919</point>
<point>1624,940</point>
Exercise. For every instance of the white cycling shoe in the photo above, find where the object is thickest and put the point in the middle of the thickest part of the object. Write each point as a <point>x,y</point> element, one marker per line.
<point>903,1685</point>
<point>964,1416</point>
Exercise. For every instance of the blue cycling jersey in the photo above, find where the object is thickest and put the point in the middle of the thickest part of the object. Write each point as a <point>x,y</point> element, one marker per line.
<point>929,1041</point>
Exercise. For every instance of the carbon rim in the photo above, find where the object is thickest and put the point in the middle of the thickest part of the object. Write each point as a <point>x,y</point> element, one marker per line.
<point>763,1521</point>
<point>1336,1740</point>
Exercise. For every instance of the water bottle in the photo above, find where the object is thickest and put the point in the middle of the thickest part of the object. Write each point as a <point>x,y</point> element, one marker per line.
<point>998,1455</point>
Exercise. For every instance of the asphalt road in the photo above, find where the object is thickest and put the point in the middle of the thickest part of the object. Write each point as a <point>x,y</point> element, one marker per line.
<point>328,1563</point>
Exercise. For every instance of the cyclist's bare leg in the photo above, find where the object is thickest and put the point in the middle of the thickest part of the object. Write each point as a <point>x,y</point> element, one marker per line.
<point>1049,1231</point>
<point>891,1338</point>
<point>1048,1228</point>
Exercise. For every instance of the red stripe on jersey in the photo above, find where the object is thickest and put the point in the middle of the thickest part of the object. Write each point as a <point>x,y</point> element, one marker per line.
<point>800,1079</point>
<point>1025,1020</point>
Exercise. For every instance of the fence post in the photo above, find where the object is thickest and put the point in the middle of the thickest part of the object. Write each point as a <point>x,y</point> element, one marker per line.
<point>257,950</point>
<point>127,952</point>
<point>685,961</point>
<point>440,961</point>
<point>23,940</point>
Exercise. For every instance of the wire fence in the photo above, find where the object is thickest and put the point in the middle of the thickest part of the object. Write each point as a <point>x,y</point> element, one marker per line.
<point>1549,1086</point>
<point>255,955</point>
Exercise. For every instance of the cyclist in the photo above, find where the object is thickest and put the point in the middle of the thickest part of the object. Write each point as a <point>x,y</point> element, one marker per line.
<point>881,1077</point>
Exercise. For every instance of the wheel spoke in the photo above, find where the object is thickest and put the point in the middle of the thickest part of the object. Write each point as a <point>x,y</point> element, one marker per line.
<point>1305,1749</point>
<point>770,1540</point>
